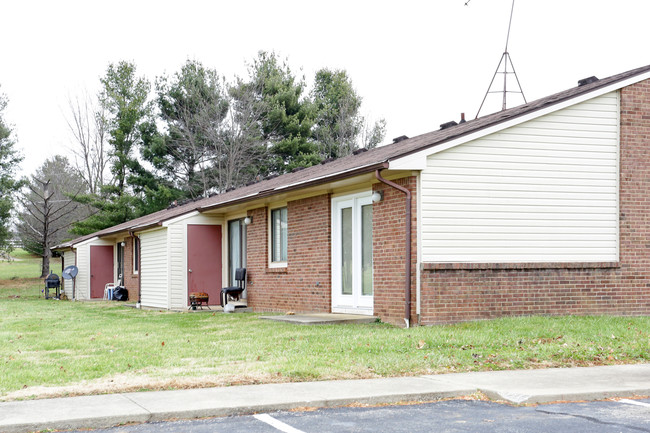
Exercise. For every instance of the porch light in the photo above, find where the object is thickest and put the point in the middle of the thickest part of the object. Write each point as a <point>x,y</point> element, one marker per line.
<point>377,196</point>
<point>123,244</point>
<point>248,220</point>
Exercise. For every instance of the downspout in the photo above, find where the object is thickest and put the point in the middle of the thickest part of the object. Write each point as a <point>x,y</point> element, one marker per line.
<point>407,288</point>
<point>74,281</point>
<point>139,272</point>
<point>62,268</point>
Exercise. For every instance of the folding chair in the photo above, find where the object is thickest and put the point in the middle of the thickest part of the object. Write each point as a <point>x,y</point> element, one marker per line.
<point>234,292</point>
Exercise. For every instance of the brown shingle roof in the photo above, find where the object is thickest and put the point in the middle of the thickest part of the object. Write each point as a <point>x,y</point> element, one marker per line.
<point>362,162</point>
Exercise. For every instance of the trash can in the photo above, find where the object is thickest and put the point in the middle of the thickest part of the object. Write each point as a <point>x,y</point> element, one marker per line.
<point>120,294</point>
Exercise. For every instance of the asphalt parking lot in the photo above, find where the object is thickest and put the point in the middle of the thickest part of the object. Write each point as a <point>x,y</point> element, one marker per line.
<point>445,416</point>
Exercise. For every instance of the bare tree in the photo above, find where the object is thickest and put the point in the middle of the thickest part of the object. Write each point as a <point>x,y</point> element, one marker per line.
<point>87,122</point>
<point>214,138</point>
<point>238,149</point>
<point>49,209</point>
<point>192,104</point>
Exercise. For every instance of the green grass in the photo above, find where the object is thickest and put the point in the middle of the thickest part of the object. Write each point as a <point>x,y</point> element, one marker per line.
<point>58,343</point>
<point>25,265</point>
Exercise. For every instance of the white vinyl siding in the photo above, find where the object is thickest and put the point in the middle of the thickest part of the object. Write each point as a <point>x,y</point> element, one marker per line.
<point>178,265</point>
<point>83,277</point>
<point>68,260</point>
<point>154,272</point>
<point>542,191</point>
<point>177,238</point>
<point>82,290</point>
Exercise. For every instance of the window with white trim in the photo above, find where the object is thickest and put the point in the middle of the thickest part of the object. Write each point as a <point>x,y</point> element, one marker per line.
<point>279,238</point>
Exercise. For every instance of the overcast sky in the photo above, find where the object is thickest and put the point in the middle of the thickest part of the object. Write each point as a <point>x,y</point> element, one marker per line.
<point>415,63</point>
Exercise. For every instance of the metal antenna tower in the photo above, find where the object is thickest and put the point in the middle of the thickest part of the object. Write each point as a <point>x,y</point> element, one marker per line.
<point>505,58</point>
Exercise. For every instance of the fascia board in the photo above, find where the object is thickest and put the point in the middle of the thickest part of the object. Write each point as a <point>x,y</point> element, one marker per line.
<point>315,179</point>
<point>418,160</point>
<point>224,203</point>
<point>282,188</point>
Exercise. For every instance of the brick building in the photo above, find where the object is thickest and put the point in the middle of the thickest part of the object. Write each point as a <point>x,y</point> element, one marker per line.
<point>539,209</point>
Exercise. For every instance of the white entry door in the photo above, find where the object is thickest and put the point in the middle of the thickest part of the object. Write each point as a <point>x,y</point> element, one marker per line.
<point>352,290</point>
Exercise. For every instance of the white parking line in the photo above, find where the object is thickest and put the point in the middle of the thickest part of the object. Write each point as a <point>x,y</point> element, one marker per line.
<point>634,402</point>
<point>277,424</point>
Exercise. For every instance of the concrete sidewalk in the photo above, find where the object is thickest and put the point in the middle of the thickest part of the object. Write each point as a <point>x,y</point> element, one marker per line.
<point>523,386</point>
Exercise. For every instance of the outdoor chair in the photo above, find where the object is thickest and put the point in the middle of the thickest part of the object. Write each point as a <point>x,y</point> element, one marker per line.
<point>109,289</point>
<point>234,292</point>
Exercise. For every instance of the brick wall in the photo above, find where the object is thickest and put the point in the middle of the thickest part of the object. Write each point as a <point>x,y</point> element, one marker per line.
<point>304,285</point>
<point>453,293</point>
<point>389,252</point>
<point>130,278</point>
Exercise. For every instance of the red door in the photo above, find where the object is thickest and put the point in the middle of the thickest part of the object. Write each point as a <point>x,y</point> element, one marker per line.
<point>204,261</point>
<point>101,269</point>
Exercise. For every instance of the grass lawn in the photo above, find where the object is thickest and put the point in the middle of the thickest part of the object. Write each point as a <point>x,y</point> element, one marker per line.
<point>25,265</point>
<point>50,347</point>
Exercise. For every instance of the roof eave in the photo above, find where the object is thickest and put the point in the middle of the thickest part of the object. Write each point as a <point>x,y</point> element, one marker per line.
<point>300,185</point>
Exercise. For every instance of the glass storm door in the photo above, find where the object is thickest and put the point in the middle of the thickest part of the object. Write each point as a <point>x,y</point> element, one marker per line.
<point>236,249</point>
<point>352,290</point>
<point>120,264</point>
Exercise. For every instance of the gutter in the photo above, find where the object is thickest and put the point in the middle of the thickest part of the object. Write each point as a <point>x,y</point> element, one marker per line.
<point>369,168</point>
<point>299,185</point>
<point>407,229</point>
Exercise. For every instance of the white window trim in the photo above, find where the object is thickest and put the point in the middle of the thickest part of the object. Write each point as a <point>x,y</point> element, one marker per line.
<point>269,222</point>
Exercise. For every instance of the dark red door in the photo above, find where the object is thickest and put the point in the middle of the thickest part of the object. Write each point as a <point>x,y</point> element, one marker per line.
<point>204,260</point>
<point>101,269</point>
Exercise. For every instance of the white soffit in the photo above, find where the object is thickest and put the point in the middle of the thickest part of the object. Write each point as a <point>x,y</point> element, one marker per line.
<point>418,160</point>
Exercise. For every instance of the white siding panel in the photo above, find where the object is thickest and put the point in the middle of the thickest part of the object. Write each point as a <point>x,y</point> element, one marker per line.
<point>177,232</point>
<point>178,265</point>
<point>154,272</point>
<point>83,277</point>
<point>543,191</point>
<point>68,260</point>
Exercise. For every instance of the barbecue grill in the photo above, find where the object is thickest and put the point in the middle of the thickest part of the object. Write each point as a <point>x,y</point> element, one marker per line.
<point>52,282</point>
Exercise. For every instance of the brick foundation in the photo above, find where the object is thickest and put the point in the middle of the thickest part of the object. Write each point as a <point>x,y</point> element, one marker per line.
<point>454,293</point>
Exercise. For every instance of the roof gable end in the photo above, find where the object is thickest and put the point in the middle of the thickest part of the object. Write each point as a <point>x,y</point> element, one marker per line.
<point>478,128</point>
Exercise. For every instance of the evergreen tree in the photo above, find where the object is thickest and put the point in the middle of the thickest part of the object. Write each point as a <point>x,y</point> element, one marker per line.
<point>130,126</point>
<point>9,184</point>
<point>287,116</point>
<point>339,127</point>
<point>193,104</point>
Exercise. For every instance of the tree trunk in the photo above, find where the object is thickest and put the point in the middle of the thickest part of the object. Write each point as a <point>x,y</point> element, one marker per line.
<point>45,268</point>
